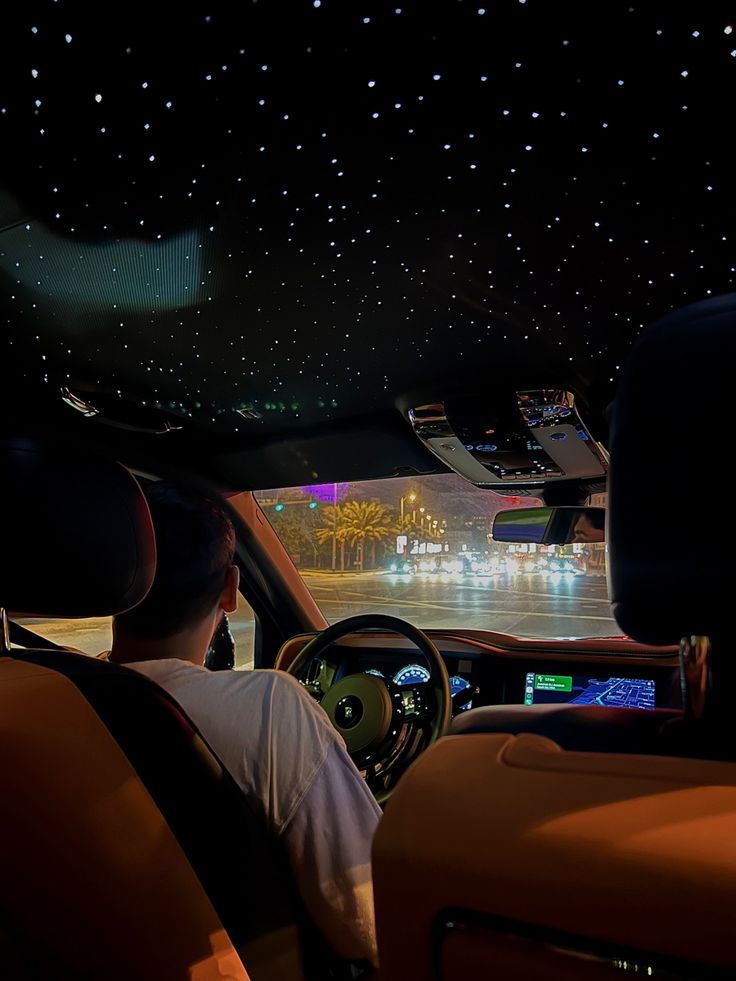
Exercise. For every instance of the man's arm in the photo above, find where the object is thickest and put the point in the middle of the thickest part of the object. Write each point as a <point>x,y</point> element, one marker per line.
<point>292,765</point>
<point>328,840</point>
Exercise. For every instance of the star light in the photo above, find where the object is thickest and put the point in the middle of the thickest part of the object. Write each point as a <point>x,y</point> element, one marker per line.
<point>429,187</point>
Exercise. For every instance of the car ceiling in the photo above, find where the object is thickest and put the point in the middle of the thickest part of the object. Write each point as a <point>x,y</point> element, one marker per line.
<point>321,213</point>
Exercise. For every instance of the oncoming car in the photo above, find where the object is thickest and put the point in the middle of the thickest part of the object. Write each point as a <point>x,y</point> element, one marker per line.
<point>433,303</point>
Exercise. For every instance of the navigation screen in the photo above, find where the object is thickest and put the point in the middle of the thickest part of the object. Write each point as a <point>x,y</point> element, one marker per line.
<point>545,689</point>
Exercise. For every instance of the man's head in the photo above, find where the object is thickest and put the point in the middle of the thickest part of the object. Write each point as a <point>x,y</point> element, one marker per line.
<point>590,526</point>
<point>195,577</point>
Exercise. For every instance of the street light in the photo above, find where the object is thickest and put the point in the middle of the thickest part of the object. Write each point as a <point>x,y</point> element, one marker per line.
<point>410,497</point>
<point>335,515</point>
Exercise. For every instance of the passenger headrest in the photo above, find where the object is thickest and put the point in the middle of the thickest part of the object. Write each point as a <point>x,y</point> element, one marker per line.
<point>76,538</point>
<point>671,571</point>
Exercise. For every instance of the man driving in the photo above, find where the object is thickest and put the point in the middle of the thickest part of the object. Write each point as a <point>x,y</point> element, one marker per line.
<point>267,730</point>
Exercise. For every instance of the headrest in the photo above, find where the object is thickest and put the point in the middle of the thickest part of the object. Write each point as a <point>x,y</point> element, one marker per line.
<point>76,538</point>
<point>671,570</point>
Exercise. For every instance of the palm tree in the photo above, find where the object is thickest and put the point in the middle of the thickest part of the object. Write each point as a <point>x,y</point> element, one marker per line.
<point>334,531</point>
<point>366,521</point>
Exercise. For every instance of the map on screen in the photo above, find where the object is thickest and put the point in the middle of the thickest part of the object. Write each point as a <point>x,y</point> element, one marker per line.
<point>582,690</point>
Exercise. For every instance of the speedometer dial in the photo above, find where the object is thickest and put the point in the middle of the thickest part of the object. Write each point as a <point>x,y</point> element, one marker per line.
<point>458,684</point>
<point>412,674</point>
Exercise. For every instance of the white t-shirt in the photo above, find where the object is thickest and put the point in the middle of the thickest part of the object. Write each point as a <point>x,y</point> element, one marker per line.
<point>292,765</point>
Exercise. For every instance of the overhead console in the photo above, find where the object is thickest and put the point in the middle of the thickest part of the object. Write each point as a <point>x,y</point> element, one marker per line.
<point>512,438</point>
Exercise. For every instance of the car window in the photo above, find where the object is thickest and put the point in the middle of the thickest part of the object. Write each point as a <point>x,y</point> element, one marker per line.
<point>243,629</point>
<point>421,549</point>
<point>94,634</point>
<point>89,635</point>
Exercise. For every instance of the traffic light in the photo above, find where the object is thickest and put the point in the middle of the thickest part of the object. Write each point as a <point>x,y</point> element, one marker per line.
<point>279,507</point>
<point>312,505</point>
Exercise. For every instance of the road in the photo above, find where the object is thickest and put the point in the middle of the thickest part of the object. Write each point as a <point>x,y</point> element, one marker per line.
<point>528,605</point>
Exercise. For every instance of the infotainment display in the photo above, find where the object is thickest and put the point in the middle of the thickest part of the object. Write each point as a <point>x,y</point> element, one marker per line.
<point>545,689</point>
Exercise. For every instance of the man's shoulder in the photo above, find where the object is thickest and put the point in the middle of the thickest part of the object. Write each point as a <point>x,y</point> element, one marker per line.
<point>252,705</point>
<point>264,709</point>
<point>188,673</point>
<point>263,680</point>
<point>274,693</point>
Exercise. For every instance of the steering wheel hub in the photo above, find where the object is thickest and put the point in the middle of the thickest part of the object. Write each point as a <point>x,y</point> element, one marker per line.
<point>349,712</point>
<point>360,708</point>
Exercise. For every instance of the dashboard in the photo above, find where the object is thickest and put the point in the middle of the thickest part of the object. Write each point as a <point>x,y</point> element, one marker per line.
<point>415,674</point>
<point>498,669</point>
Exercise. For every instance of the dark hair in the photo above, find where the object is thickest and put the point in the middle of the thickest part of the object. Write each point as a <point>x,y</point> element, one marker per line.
<point>596,517</point>
<point>195,545</point>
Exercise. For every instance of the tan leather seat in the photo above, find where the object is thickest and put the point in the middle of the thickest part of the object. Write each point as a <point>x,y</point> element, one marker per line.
<point>93,884</point>
<point>507,857</point>
<point>127,851</point>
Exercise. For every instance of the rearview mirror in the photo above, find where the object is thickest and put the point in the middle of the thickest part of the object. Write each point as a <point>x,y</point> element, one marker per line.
<point>550,526</point>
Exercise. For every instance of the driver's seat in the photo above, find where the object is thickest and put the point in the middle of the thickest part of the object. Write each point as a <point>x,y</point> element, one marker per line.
<point>107,784</point>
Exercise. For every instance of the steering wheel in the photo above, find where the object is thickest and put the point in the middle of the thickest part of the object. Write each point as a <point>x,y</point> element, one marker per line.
<point>384,725</point>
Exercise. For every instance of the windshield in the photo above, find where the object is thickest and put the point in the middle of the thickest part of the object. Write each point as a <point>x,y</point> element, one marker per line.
<point>420,548</point>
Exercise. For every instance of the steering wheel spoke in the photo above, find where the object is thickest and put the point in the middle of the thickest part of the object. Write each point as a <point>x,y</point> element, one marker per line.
<point>420,703</point>
<point>319,676</point>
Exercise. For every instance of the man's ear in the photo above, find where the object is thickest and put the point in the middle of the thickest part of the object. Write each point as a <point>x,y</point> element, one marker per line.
<point>229,597</point>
